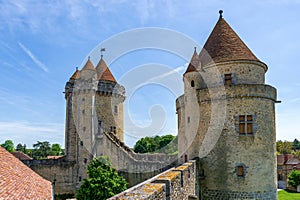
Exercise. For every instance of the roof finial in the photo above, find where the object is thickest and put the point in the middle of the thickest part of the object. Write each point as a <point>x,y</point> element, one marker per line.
<point>76,68</point>
<point>89,57</point>
<point>195,48</point>
<point>102,50</point>
<point>221,12</point>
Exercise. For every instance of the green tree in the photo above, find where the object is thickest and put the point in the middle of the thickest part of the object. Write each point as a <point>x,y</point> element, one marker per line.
<point>162,144</point>
<point>21,147</point>
<point>284,147</point>
<point>56,150</point>
<point>41,150</point>
<point>8,145</point>
<point>103,181</point>
<point>296,144</point>
<point>294,178</point>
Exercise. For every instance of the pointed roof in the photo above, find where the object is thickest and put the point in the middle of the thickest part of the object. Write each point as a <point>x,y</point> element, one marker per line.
<point>88,65</point>
<point>103,71</point>
<point>18,181</point>
<point>193,63</point>
<point>76,74</point>
<point>224,44</point>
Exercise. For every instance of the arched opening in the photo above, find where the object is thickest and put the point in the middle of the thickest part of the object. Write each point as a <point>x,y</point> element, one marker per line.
<point>192,83</point>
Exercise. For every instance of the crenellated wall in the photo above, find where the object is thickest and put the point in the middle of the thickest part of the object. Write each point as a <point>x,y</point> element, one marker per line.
<point>177,183</point>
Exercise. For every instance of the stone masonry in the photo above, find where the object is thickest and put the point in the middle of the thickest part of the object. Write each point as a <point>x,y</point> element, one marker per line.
<point>226,125</point>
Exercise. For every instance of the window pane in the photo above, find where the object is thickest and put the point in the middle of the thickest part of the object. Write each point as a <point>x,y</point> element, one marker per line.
<point>249,117</point>
<point>242,128</point>
<point>227,81</point>
<point>249,128</point>
<point>242,118</point>
<point>240,171</point>
<point>227,76</point>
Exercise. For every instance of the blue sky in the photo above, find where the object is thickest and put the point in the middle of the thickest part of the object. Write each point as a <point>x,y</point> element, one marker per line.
<point>41,43</point>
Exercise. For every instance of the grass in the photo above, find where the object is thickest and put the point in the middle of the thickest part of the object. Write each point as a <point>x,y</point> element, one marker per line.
<point>288,195</point>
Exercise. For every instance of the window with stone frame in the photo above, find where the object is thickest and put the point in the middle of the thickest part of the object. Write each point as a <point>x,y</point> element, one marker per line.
<point>240,170</point>
<point>246,125</point>
<point>227,79</point>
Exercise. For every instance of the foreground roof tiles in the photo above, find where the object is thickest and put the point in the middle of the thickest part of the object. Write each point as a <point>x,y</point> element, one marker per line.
<point>17,181</point>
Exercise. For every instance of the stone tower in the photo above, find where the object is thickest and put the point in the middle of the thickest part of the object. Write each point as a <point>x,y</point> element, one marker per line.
<point>94,105</point>
<point>226,117</point>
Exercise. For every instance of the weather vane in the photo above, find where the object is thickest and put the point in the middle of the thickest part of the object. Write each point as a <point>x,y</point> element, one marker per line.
<point>102,50</point>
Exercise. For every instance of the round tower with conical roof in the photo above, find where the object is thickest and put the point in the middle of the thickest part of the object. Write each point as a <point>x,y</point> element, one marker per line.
<point>94,105</point>
<point>235,132</point>
<point>109,101</point>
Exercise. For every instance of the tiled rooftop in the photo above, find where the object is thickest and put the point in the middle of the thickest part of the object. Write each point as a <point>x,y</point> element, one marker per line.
<point>21,156</point>
<point>19,182</point>
<point>103,72</point>
<point>224,44</point>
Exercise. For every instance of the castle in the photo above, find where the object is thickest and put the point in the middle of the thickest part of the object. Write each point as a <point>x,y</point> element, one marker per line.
<point>226,129</point>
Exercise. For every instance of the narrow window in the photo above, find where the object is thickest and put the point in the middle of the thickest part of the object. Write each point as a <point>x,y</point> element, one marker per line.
<point>227,79</point>
<point>84,128</point>
<point>240,171</point>
<point>192,83</point>
<point>85,160</point>
<point>83,111</point>
<point>246,125</point>
<point>79,179</point>
<point>188,119</point>
<point>81,143</point>
<point>185,158</point>
<point>116,110</point>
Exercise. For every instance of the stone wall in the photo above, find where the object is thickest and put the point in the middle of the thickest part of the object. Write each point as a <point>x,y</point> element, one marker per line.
<point>133,166</point>
<point>177,183</point>
<point>58,171</point>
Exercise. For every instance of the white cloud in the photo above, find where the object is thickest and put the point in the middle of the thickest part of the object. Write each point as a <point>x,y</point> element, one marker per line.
<point>28,133</point>
<point>33,58</point>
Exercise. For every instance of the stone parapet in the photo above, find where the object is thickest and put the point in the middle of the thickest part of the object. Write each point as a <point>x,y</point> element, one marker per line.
<point>176,183</point>
<point>222,194</point>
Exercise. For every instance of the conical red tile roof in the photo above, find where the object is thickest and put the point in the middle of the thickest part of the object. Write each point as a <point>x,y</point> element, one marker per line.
<point>103,72</point>
<point>88,65</point>
<point>224,44</point>
<point>193,63</point>
<point>76,74</point>
<point>17,181</point>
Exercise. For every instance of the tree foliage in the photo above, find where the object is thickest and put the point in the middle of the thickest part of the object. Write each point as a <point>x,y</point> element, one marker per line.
<point>21,148</point>
<point>8,145</point>
<point>103,181</point>
<point>296,144</point>
<point>284,147</point>
<point>294,178</point>
<point>56,150</point>
<point>162,144</point>
<point>41,150</point>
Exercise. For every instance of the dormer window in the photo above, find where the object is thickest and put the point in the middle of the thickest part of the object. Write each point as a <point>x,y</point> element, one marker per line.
<point>227,79</point>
